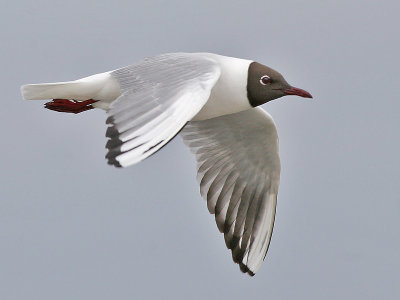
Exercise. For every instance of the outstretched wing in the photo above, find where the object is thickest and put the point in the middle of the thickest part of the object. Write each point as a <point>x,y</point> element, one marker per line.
<point>238,171</point>
<point>158,97</point>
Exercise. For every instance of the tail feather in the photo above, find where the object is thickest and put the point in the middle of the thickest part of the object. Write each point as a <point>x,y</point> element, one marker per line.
<point>100,87</point>
<point>43,91</point>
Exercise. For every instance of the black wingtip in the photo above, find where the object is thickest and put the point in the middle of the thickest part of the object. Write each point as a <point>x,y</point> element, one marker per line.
<point>245,269</point>
<point>238,254</point>
<point>233,242</point>
<point>113,143</point>
<point>111,132</point>
<point>113,162</point>
<point>110,120</point>
<point>112,154</point>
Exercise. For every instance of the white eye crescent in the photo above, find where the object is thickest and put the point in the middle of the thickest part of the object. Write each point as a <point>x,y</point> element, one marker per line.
<point>264,80</point>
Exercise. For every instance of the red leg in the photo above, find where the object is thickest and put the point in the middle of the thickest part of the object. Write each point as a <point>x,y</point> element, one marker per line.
<point>70,106</point>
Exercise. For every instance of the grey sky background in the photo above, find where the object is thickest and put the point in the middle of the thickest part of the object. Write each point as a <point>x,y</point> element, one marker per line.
<point>72,227</point>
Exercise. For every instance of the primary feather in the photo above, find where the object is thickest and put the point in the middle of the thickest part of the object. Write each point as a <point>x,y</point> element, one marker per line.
<point>238,170</point>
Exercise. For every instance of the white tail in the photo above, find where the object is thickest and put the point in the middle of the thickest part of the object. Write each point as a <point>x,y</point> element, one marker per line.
<point>99,87</point>
<point>42,91</point>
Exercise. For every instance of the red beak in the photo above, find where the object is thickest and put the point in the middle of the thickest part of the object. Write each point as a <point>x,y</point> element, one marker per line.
<point>297,92</point>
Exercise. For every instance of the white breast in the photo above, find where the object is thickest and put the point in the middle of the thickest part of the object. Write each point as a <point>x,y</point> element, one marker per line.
<point>229,95</point>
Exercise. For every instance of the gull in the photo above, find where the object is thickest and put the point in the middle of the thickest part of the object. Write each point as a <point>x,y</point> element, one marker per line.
<point>213,102</point>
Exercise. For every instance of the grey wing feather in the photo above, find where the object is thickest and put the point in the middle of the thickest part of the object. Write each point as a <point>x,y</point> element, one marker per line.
<point>158,97</point>
<point>238,171</point>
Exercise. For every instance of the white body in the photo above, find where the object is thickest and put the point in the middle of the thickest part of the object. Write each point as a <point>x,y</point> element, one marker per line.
<point>236,146</point>
<point>229,94</point>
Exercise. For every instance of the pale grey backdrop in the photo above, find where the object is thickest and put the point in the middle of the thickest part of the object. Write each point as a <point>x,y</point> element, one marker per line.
<point>72,227</point>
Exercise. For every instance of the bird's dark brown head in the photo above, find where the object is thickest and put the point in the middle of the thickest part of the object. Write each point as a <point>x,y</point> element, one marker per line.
<point>265,84</point>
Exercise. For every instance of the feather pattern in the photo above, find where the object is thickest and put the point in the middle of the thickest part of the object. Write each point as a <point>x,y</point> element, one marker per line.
<point>238,171</point>
<point>158,97</point>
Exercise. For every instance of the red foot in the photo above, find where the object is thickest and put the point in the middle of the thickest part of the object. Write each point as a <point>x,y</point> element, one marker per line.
<point>70,106</point>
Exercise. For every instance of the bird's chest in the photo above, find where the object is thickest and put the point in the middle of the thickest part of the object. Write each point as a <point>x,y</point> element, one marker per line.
<point>229,95</point>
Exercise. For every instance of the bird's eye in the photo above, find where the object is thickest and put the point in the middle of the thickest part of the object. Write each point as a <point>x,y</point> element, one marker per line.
<point>265,80</point>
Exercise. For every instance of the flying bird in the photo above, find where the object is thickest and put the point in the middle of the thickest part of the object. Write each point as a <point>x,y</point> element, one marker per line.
<point>212,101</point>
